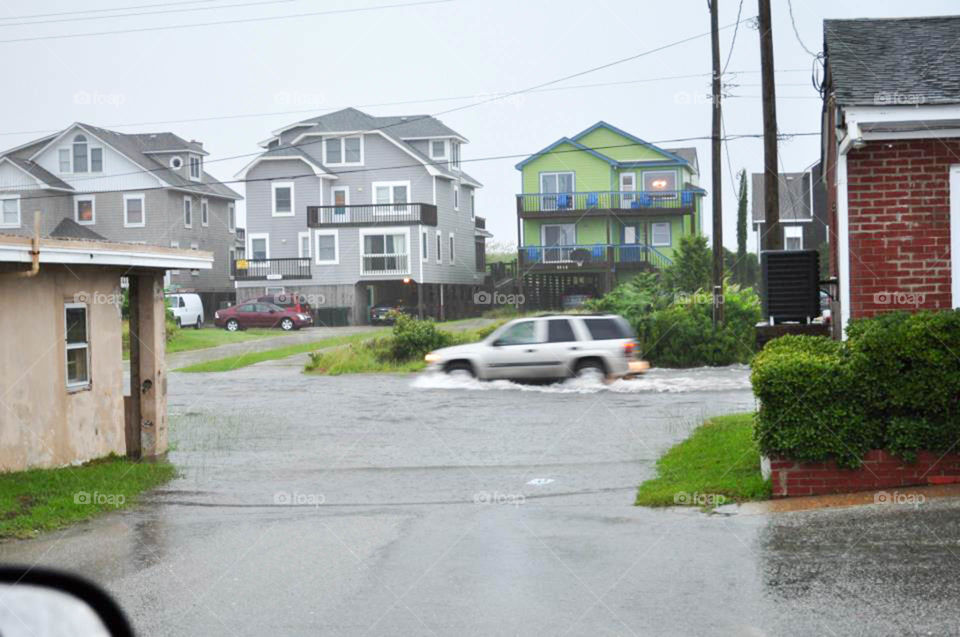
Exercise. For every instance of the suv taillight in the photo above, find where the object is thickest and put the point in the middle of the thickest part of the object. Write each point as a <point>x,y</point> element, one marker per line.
<point>628,348</point>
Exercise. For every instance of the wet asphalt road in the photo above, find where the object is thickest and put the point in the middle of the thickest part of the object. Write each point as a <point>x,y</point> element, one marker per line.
<point>388,505</point>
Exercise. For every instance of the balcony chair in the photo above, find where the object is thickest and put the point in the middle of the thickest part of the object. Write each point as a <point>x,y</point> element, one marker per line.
<point>592,200</point>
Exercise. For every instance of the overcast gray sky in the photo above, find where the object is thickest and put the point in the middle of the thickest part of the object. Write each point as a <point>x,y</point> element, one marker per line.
<point>247,74</point>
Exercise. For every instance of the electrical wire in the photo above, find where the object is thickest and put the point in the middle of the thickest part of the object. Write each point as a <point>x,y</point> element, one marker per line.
<point>734,40</point>
<point>796,32</point>
<point>139,6</point>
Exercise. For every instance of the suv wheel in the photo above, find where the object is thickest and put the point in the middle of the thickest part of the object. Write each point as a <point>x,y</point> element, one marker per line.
<point>287,324</point>
<point>590,369</point>
<point>233,325</point>
<point>460,368</point>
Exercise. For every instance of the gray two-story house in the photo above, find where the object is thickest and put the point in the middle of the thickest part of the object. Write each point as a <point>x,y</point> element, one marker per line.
<point>803,210</point>
<point>147,188</point>
<point>355,211</point>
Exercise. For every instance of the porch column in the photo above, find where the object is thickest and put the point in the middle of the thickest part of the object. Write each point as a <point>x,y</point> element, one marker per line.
<point>148,340</point>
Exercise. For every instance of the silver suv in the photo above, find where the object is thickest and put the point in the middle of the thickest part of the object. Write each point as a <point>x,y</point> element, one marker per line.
<point>546,347</point>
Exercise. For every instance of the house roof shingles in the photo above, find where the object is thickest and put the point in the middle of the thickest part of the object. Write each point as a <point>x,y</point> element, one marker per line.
<point>892,61</point>
<point>39,172</point>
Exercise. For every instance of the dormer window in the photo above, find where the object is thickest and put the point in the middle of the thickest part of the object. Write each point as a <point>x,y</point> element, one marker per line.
<point>79,154</point>
<point>455,155</point>
<point>84,158</point>
<point>196,167</point>
<point>176,163</point>
<point>339,151</point>
<point>438,149</point>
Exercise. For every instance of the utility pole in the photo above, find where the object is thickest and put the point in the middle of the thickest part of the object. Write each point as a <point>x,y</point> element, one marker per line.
<point>717,178</point>
<point>773,239</point>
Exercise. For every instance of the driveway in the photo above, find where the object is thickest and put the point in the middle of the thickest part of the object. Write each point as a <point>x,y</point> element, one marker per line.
<point>411,505</point>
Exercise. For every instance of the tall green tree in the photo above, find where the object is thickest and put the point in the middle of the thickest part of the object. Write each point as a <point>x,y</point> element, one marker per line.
<point>692,266</point>
<point>740,272</point>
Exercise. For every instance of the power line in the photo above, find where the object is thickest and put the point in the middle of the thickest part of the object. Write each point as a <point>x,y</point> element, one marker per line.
<point>419,164</point>
<point>222,22</point>
<point>48,131</point>
<point>139,6</point>
<point>734,40</point>
<point>140,13</point>
<point>466,106</point>
<point>796,32</point>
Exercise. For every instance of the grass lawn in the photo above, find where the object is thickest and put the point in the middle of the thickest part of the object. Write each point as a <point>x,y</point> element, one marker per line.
<point>720,458</point>
<point>41,500</point>
<point>249,358</point>
<point>189,339</point>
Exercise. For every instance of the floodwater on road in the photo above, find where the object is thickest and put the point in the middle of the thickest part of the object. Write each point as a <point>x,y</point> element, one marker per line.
<point>420,504</point>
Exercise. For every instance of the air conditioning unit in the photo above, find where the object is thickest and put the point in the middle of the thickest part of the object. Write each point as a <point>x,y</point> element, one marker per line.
<point>791,281</point>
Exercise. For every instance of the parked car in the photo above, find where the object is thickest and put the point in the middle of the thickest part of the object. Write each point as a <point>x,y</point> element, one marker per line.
<point>545,348</point>
<point>289,301</point>
<point>187,308</point>
<point>260,314</point>
<point>380,315</point>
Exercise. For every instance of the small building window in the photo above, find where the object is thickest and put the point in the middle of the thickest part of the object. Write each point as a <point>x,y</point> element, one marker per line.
<point>204,213</point>
<point>96,160</point>
<point>187,212</point>
<point>438,149</point>
<point>195,168</point>
<point>456,196</point>
<point>439,247</point>
<point>79,154</point>
<point>452,249</point>
<point>660,234</point>
<point>424,246</point>
<point>77,345</point>
<point>176,163</point>
<point>133,211</point>
<point>343,150</point>
<point>63,156</point>
<point>283,199</point>
<point>660,181</point>
<point>84,210</point>
<point>231,217</point>
<point>258,248</point>
<point>10,212</point>
<point>327,247</point>
<point>792,238</point>
<point>303,244</point>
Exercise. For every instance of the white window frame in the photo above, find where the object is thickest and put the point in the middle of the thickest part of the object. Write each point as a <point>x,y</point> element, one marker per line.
<point>273,198</point>
<point>258,235</point>
<point>93,209</point>
<point>69,346</point>
<point>336,247</point>
<point>792,232</point>
<point>452,247</point>
<point>662,194</point>
<point>198,162</point>
<point>455,155</point>
<point>69,152</point>
<point>19,211</point>
<point>391,185</point>
<point>300,237</point>
<point>187,199</point>
<point>232,217</point>
<point>88,154</point>
<point>143,209</point>
<point>424,245</point>
<point>446,148</point>
<point>204,212</point>
<point>346,203</point>
<point>90,150</point>
<point>383,231</point>
<point>176,159</point>
<point>653,234</point>
<point>456,196</point>
<point>439,243</point>
<point>343,150</point>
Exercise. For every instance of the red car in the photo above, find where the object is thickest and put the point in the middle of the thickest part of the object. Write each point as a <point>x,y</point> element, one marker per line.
<point>260,314</point>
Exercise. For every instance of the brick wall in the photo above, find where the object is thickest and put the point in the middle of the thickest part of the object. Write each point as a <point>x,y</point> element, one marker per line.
<point>880,470</point>
<point>899,212</point>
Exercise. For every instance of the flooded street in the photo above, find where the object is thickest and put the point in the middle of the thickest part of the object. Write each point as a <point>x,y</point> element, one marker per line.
<point>408,505</point>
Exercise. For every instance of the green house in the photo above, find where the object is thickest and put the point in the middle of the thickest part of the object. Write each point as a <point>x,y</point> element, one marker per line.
<point>604,204</point>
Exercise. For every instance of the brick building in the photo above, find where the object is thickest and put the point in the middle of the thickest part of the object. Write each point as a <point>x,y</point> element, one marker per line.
<point>891,151</point>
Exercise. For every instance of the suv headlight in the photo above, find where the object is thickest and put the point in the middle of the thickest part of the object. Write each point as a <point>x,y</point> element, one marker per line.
<point>431,357</point>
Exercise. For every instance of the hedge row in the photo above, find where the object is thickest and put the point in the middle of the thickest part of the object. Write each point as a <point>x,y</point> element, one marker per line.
<point>894,385</point>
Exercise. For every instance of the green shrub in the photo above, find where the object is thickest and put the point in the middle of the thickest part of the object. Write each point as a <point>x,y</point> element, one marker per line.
<point>894,385</point>
<point>683,335</point>
<point>412,338</point>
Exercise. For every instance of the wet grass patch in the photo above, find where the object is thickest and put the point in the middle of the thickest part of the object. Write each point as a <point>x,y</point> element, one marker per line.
<point>39,500</point>
<point>719,463</point>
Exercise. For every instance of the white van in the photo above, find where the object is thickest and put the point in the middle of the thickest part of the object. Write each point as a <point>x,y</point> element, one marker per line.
<point>187,308</point>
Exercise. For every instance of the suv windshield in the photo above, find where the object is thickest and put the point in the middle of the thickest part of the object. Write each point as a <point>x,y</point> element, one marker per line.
<point>604,329</point>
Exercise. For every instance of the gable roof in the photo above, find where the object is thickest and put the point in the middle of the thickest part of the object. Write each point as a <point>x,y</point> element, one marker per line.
<point>70,229</point>
<point>395,128</point>
<point>138,148</point>
<point>38,172</point>
<point>878,59</point>
<point>680,156</point>
<point>794,197</point>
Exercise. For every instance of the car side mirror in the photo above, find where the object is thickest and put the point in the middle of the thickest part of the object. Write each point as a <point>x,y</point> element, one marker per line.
<point>49,602</point>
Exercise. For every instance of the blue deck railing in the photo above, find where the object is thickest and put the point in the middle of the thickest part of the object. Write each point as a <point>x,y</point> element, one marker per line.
<point>603,200</point>
<point>599,253</point>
